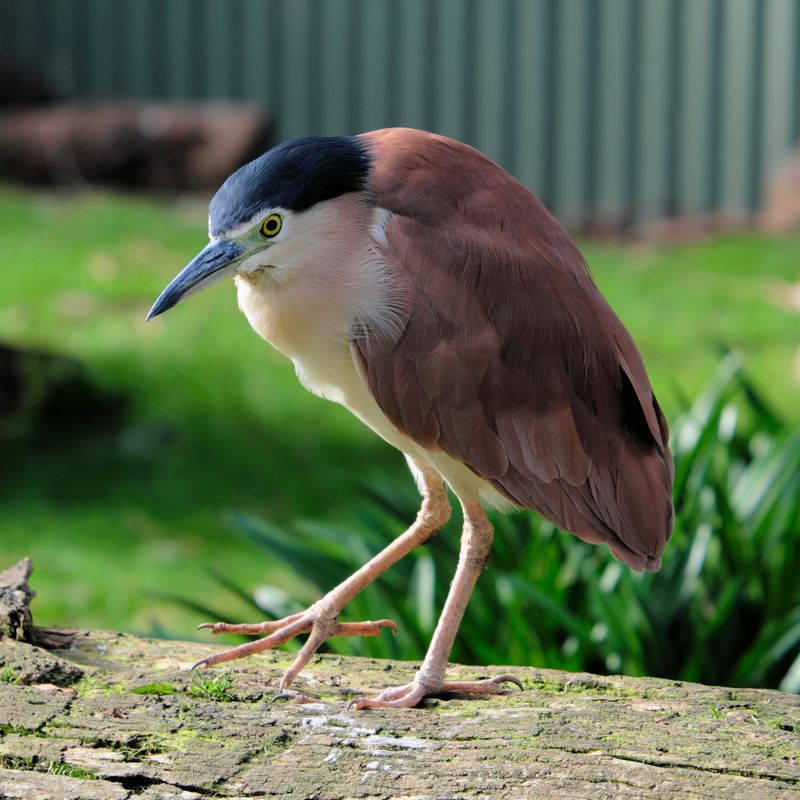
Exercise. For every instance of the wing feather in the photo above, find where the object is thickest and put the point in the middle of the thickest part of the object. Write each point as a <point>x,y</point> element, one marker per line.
<point>511,361</point>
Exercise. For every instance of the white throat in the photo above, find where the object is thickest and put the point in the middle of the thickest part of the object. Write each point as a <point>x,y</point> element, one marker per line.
<point>324,285</point>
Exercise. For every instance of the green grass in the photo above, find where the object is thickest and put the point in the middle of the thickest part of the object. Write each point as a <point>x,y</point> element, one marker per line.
<point>59,768</point>
<point>213,687</point>
<point>7,674</point>
<point>217,420</point>
<point>159,689</point>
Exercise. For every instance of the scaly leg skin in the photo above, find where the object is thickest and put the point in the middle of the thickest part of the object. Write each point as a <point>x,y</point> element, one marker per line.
<point>320,621</point>
<point>476,542</point>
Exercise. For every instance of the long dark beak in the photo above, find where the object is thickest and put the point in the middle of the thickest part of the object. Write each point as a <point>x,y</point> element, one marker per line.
<point>207,267</point>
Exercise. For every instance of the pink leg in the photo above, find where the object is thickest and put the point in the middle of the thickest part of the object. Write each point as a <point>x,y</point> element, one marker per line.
<point>476,542</point>
<point>320,621</point>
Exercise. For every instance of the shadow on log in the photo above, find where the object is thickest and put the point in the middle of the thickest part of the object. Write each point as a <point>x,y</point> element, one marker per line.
<point>116,716</point>
<point>45,394</point>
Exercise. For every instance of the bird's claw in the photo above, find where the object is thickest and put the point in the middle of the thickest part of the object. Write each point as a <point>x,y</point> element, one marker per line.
<point>508,679</point>
<point>289,694</point>
<point>203,662</point>
<point>279,632</point>
<point>387,623</point>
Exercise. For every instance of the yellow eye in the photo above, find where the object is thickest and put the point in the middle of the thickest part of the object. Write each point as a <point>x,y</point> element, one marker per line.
<point>271,226</point>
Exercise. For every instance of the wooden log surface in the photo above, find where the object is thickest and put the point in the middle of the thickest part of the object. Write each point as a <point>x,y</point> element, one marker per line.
<point>110,715</point>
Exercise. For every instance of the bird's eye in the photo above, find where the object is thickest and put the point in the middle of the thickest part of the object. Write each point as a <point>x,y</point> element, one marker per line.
<point>271,226</point>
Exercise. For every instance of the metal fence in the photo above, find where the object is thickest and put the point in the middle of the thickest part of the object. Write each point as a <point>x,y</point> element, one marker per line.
<point>610,110</point>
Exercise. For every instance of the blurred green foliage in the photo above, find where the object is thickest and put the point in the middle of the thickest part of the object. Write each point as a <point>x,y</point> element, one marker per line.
<point>215,420</point>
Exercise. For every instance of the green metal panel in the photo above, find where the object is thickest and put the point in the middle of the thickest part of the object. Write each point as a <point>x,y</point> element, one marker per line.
<point>491,82</point>
<point>180,49</point>
<point>103,48</point>
<point>737,101</point>
<point>613,92</point>
<point>611,110</point>
<point>335,78</point>
<point>296,71</point>
<point>222,48</point>
<point>256,44</point>
<point>653,109</point>
<point>526,159</point>
<point>24,36</point>
<point>415,80</point>
<point>693,118</point>
<point>452,74</point>
<point>63,56</point>
<point>374,99</point>
<point>779,80</point>
<point>572,37</point>
<point>137,46</point>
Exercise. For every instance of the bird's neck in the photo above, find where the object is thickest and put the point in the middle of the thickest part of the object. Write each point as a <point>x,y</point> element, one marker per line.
<point>288,316</point>
<point>319,306</point>
<point>315,335</point>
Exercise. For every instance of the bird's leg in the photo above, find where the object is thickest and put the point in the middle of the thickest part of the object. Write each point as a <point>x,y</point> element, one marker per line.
<point>320,620</point>
<point>476,542</point>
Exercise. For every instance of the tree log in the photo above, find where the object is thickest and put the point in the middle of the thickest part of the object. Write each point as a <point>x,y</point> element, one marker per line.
<point>15,600</point>
<point>110,715</point>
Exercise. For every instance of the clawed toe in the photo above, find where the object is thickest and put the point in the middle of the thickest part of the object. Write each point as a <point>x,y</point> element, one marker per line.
<point>408,696</point>
<point>198,664</point>
<point>249,629</point>
<point>412,694</point>
<point>365,628</point>
<point>296,697</point>
<point>489,686</point>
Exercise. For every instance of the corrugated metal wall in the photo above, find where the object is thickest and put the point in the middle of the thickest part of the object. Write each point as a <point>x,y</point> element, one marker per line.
<point>610,110</point>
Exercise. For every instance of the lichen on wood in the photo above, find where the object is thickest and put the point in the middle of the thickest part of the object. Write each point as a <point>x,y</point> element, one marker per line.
<point>110,715</point>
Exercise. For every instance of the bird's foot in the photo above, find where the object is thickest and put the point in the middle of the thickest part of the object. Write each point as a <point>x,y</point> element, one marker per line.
<point>319,625</point>
<point>412,694</point>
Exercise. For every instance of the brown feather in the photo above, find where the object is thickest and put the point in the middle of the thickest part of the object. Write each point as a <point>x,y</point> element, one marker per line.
<point>511,361</point>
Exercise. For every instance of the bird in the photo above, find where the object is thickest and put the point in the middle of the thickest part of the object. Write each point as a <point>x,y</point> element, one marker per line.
<point>416,282</point>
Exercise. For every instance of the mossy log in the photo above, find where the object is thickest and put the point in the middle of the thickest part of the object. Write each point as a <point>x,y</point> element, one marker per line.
<point>102,715</point>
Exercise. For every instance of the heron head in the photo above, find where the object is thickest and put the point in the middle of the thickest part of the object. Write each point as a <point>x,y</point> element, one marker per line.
<point>270,211</point>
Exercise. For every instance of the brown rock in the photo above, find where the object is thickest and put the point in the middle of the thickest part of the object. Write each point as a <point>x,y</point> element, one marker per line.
<point>161,146</point>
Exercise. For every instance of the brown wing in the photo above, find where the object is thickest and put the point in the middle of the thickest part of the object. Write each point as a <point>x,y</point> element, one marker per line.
<point>511,361</point>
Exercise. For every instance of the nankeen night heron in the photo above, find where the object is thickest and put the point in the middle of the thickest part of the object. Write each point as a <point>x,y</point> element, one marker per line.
<point>417,283</point>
